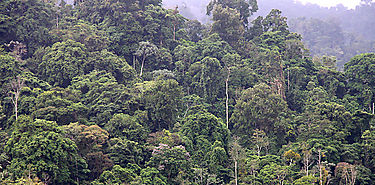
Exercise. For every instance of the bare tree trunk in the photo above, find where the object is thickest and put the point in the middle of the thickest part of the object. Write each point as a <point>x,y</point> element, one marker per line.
<point>16,108</point>
<point>201,175</point>
<point>320,167</point>
<point>259,149</point>
<point>235,171</point>
<point>143,63</point>
<point>237,154</point>
<point>174,31</point>
<point>307,167</point>
<point>16,86</point>
<point>369,107</point>
<point>306,161</point>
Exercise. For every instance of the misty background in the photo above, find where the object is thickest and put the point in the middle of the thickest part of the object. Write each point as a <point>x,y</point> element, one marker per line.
<point>335,31</point>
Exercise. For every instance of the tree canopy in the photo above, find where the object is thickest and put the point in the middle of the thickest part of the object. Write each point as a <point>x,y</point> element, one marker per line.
<point>130,92</point>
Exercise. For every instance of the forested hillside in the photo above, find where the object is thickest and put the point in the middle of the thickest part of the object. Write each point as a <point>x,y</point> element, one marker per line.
<point>128,92</point>
<point>335,31</point>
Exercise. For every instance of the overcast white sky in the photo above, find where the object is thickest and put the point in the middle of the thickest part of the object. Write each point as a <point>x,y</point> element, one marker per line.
<point>329,3</point>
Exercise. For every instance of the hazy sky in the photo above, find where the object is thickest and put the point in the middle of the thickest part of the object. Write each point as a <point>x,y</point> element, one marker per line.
<point>329,3</point>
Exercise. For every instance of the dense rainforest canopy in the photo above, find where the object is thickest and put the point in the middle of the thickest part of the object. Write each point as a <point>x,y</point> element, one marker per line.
<point>128,92</point>
<point>334,31</point>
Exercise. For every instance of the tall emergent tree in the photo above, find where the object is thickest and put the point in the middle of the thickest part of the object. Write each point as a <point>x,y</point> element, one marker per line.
<point>227,24</point>
<point>230,62</point>
<point>245,7</point>
<point>145,50</point>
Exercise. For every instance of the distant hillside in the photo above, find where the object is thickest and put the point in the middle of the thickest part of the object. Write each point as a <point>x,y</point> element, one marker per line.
<point>335,31</point>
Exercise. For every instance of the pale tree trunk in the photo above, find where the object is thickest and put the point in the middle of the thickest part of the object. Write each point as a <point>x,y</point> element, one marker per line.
<point>15,92</point>
<point>306,161</point>
<point>201,175</point>
<point>369,107</point>
<point>259,149</point>
<point>15,104</point>
<point>320,167</point>
<point>307,166</point>
<point>16,108</point>
<point>235,171</point>
<point>143,63</point>
<point>174,31</point>
<point>237,155</point>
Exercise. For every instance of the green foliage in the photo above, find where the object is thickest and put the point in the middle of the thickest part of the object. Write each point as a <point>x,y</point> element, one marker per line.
<point>205,78</point>
<point>118,175</point>
<point>162,101</point>
<point>369,148</point>
<point>305,180</point>
<point>28,22</point>
<point>194,30</point>
<point>173,162</point>
<point>227,24</point>
<point>213,46</point>
<point>201,130</point>
<point>62,62</point>
<point>40,144</point>
<point>60,105</point>
<point>274,21</point>
<point>152,176</point>
<point>124,151</point>
<point>117,66</point>
<point>273,174</point>
<point>332,81</point>
<point>9,68</point>
<point>132,84</point>
<point>4,158</point>
<point>129,127</point>
<point>81,31</point>
<point>260,108</point>
<point>360,82</point>
<point>102,95</point>
<point>244,7</point>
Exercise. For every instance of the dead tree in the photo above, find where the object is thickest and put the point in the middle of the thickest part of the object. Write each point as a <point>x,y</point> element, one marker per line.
<point>346,173</point>
<point>14,93</point>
